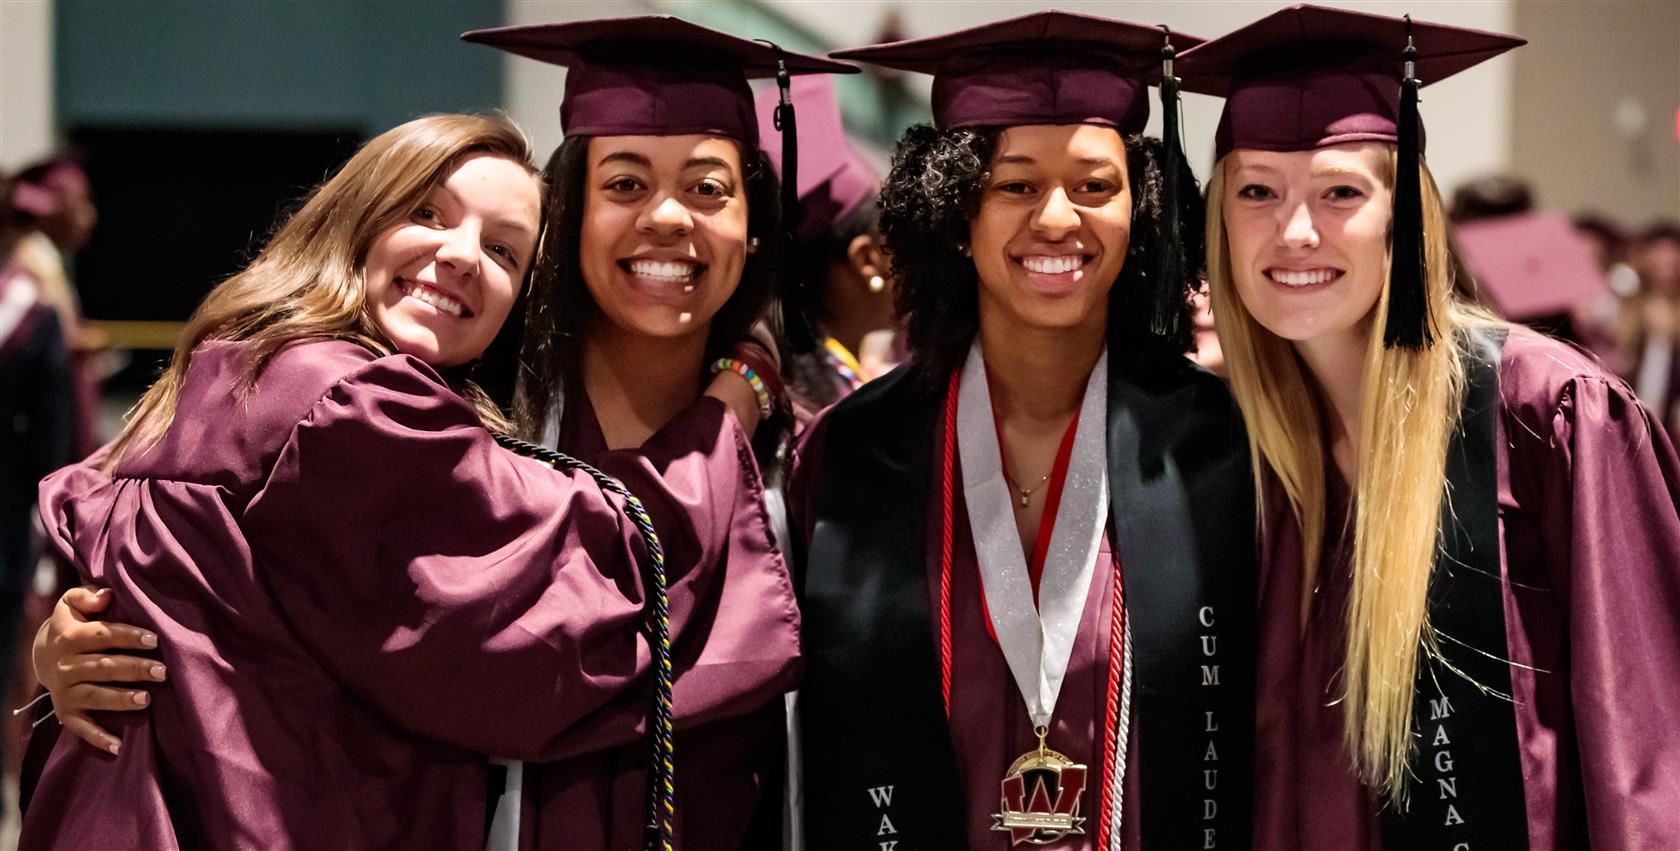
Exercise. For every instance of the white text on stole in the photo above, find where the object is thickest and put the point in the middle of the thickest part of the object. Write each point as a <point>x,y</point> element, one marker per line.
<point>882,796</point>
<point>1440,711</point>
<point>1210,769</point>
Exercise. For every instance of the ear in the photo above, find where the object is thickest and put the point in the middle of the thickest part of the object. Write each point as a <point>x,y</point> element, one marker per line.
<point>864,257</point>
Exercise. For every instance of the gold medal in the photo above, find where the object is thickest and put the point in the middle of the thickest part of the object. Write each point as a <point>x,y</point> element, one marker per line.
<point>1041,796</point>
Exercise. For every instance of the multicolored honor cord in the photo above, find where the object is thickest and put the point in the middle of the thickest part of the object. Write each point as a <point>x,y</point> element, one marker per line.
<point>842,361</point>
<point>662,791</point>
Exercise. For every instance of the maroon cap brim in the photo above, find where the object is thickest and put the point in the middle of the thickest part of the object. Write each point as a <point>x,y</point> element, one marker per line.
<point>653,75</point>
<point>1309,76</point>
<point>1044,68</point>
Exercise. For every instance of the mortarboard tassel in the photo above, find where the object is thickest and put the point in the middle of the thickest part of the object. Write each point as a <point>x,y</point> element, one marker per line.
<point>1166,312</point>
<point>795,294</point>
<point>1408,295</point>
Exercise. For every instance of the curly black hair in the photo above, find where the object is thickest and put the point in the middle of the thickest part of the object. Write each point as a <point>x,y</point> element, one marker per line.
<point>559,306</point>
<point>932,195</point>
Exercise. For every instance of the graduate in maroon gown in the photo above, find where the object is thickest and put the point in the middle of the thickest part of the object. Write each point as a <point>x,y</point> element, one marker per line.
<point>353,590</point>
<point>665,246</point>
<point>1026,560</point>
<point>1471,556</point>
<point>841,274</point>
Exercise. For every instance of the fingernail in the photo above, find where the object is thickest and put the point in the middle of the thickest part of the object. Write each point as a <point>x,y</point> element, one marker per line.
<point>141,697</point>
<point>148,639</point>
<point>103,592</point>
<point>113,747</point>
<point>157,672</point>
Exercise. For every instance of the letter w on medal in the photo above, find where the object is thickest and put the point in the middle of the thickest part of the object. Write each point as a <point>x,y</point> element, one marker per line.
<point>1041,796</point>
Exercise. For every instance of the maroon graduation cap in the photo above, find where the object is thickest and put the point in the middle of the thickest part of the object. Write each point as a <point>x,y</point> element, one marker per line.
<point>1530,265</point>
<point>654,75</point>
<point>1309,76</point>
<point>1059,67</point>
<point>1044,68</point>
<point>833,177</point>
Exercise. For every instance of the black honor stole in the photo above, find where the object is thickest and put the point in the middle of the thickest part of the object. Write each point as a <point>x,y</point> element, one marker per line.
<point>879,772</point>
<point>1466,787</point>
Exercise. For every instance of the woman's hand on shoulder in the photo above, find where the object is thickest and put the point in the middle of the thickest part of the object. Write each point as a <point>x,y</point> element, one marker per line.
<point>73,658</point>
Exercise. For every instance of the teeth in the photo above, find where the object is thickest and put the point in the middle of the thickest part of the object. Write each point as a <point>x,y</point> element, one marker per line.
<point>668,270</point>
<point>436,299</point>
<point>1052,265</point>
<point>1304,278</point>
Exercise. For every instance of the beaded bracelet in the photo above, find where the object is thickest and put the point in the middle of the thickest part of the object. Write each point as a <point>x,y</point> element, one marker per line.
<point>759,390</point>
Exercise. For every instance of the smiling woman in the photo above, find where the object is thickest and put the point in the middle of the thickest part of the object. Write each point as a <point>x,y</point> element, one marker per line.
<point>675,259</point>
<point>664,242</point>
<point>1054,224</point>
<point>1469,530</point>
<point>1313,231</point>
<point>1046,516</point>
<point>1105,213</point>
<point>441,283</point>
<point>664,235</point>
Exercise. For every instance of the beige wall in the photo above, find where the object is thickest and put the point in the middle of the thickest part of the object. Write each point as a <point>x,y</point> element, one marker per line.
<point>1585,63</point>
<point>26,92</point>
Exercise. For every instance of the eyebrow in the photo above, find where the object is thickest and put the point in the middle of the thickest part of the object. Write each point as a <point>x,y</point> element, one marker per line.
<point>626,157</point>
<point>514,225</point>
<point>637,159</point>
<point>1023,159</point>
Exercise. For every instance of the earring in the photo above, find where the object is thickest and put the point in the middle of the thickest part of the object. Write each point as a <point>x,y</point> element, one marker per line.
<point>962,247</point>
<point>877,283</point>
<point>752,245</point>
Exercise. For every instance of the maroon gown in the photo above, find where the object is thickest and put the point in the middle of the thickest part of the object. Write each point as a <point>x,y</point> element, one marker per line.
<point>729,770</point>
<point>358,595</point>
<point>1588,489</point>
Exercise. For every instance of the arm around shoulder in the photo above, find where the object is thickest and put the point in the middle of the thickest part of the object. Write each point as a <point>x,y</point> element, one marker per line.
<point>471,595</point>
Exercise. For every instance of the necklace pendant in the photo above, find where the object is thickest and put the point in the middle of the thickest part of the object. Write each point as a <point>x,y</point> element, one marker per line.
<point>1024,498</point>
<point>1041,795</point>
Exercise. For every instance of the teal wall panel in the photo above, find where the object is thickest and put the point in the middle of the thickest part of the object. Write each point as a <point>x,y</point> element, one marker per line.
<point>367,64</point>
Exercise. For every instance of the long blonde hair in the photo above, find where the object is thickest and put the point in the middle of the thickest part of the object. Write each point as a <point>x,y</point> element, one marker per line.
<point>1409,411</point>
<point>308,281</point>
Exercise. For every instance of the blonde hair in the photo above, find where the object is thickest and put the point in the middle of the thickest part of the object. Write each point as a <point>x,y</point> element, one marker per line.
<point>308,282</point>
<point>1408,413</point>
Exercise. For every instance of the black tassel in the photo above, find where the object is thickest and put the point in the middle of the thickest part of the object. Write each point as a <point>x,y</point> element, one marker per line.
<point>796,295</point>
<point>1408,281</point>
<point>1166,313</point>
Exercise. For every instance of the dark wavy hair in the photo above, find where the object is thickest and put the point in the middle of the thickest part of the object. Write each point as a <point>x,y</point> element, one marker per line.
<point>813,256</point>
<point>559,307</point>
<point>932,195</point>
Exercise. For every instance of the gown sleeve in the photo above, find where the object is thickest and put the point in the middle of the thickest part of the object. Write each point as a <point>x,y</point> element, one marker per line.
<point>471,595</point>
<point>1613,487</point>
<point>740,648</point>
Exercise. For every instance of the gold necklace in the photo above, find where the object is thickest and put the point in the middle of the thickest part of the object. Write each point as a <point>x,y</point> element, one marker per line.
<point>1025,493</point>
